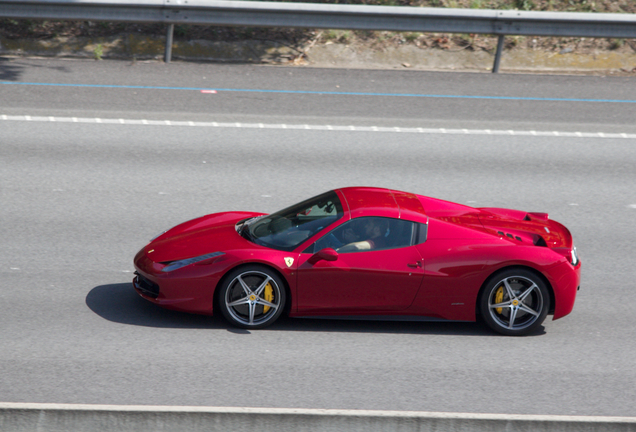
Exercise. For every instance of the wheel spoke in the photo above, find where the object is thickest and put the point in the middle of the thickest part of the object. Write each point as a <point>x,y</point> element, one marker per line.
<point>525,308</point>
<point>247,289</point>
<point>511,294</point>
<point>252,308</point>
<point>239,302</point>
<point>266,303</point>
<point>513,316</point>
<point>260,289</point>
<point>527,292</point>
<point>501,305</point>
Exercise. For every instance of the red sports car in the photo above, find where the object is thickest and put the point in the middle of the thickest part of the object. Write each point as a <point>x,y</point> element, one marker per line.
<point>367,253</point>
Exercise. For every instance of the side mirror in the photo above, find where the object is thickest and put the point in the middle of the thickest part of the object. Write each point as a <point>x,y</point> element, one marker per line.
<point>327,254</point>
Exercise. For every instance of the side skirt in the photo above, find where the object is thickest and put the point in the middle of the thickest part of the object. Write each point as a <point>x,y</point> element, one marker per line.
<point>406,318</point>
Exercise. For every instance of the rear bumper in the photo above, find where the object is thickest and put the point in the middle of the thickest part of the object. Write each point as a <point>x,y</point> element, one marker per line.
<point>566,281</point>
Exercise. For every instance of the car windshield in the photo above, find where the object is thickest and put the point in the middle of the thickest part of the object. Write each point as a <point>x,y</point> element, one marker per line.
<point>288,228</point>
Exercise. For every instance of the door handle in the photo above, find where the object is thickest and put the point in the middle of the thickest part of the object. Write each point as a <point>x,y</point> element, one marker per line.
<point>416,264</point>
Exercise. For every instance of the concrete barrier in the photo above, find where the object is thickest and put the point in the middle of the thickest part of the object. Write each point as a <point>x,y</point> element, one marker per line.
<point>27,417</point>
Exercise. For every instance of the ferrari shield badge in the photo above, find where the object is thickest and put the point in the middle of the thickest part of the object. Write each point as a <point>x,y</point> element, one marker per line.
<point>289,261</point>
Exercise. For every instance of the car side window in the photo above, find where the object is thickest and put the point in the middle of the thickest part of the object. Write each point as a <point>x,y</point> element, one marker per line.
<point>422,233</point>
<point>369,233</point>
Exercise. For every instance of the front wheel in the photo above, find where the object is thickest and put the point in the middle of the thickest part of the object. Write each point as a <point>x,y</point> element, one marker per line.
<point>515,302</point>
<point>252,297</point>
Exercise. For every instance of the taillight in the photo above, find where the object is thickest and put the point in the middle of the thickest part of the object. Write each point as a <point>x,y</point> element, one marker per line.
<point>574,258</point>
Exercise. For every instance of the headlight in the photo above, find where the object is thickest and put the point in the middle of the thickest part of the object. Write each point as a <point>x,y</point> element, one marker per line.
<point>174,265</point>
<point>574,258</point>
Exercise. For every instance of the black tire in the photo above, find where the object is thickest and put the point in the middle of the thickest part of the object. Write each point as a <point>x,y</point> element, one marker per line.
<point>514,302</point>
<point>247,302</point>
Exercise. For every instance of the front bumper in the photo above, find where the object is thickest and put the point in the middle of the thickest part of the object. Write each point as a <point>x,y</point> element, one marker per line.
<point>145,287</point>
<point>183,291</point>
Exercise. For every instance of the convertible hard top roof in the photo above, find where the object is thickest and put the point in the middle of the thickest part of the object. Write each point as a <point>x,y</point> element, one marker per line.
<point>370,201</point>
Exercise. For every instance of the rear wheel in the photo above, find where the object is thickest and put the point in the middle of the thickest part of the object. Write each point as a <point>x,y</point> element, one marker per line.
<point>252,297</point>
<point>515,302</point>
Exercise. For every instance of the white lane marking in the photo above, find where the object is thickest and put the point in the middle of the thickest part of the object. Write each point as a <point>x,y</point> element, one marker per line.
<point>396,129</point>
<point>632,206</point>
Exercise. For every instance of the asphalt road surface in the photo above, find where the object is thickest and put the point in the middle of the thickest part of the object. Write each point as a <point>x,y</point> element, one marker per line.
<point>98,157</point>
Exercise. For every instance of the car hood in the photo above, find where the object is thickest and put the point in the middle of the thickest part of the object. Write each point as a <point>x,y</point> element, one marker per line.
<point>207,234</point>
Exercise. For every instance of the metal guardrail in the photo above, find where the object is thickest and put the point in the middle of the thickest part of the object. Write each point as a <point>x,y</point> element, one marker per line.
<point>309,15</point>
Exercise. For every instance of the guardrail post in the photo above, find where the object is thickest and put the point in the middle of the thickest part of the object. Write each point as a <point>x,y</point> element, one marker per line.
<point>169,32</point>
<point>500,45</point>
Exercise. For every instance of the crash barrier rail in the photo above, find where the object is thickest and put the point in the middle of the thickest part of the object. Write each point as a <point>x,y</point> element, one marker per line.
<point>27,417</point>
<point>329,16</point>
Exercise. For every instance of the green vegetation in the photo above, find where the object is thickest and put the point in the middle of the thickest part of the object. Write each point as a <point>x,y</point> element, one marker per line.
<point>180,30</point>
<point>340,36</point>
<point>98,52</point>
<point>616,43</point>
<point>525,5</point>
<point>411,36</point>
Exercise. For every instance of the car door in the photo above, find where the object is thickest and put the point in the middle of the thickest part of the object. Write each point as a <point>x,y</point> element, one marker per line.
<point>376,281</point>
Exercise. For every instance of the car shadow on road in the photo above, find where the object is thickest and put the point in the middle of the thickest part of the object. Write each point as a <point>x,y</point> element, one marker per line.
<point>8,70</point>
<point>12,69</point>
<point>120,303</point>
<point>441,328</point>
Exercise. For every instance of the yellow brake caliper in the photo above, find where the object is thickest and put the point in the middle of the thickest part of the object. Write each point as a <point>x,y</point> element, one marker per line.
<point>499,298</point>
<point>269,296</point>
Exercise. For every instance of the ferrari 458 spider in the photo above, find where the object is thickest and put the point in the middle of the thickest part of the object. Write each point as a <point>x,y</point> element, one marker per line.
<point>366,253</point>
